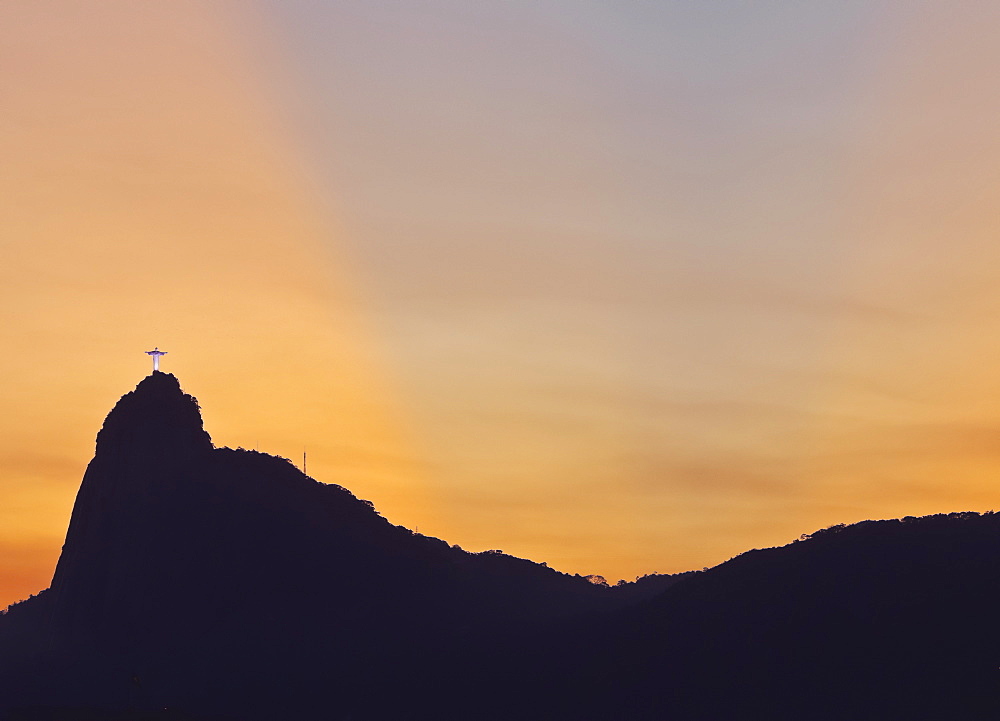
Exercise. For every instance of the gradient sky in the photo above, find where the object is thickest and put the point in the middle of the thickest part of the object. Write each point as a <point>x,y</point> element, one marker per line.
<point>620,286</point>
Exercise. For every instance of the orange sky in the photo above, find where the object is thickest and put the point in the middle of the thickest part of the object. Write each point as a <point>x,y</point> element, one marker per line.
<point>147,202</point>
<point>622,290</point>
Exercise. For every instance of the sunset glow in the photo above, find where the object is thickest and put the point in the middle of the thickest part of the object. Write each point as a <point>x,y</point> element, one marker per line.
<point>619,287</point>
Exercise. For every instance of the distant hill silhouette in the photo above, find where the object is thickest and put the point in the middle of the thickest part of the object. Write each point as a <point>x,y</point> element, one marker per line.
<point>210,583</point>
<point>878,620</point>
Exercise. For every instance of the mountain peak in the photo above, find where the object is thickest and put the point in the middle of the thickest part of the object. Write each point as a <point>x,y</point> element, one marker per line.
<point>159,378</point>
<point>158,414</point>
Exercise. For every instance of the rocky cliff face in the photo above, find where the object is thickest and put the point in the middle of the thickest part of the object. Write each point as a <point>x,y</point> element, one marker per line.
<point>127,532</point>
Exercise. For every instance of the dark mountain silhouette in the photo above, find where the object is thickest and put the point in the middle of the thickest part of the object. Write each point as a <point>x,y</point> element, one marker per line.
<point>228,582</point>
<point>211,583</point>
<point>878,620</point>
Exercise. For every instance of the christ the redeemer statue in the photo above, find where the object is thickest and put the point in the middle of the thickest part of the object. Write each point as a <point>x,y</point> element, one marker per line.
<point>156,353</point>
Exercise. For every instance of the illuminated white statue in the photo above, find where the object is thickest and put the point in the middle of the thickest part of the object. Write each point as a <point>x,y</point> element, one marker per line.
<point>156,353</point>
